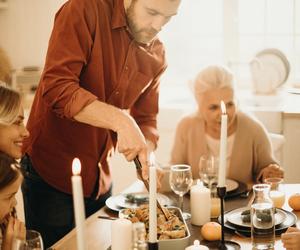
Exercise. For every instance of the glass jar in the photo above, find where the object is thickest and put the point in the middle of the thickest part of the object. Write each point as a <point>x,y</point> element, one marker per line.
<point>262,218</point>
<point>139,236</point>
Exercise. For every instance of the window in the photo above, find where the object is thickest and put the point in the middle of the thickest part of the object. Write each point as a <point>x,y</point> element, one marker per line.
<point>227,32</point>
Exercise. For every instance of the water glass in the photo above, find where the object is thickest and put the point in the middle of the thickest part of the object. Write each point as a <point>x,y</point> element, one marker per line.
<point>208,171</point>
<point>277,193</point>
<point>181,181</point>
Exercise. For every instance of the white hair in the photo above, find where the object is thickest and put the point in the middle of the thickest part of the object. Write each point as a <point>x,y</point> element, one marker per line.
<point>213,76</point>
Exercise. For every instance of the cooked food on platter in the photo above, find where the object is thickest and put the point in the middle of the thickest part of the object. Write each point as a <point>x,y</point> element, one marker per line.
<point>173,228</point>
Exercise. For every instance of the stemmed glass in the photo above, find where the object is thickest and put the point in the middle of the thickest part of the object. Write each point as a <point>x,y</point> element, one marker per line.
<point>208,171</point>
<point>33,241</point>
<point>181,181</point>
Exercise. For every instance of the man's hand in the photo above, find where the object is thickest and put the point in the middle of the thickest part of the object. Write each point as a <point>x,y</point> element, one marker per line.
<point>272,170</point>
<point>131,141</point>
<point>291,239</point>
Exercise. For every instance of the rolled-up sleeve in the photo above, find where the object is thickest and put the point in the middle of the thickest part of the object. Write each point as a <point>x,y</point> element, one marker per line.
<point>68,52</point>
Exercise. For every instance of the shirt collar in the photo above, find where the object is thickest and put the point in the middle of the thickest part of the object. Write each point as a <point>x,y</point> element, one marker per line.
<point>118,15</point>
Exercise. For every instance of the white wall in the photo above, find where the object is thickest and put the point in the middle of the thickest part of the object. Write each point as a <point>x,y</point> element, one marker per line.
<point>25,27</point>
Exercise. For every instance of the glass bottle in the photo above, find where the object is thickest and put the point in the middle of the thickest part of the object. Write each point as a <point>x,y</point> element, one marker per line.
<point>139,236</point>
<point>262,218</point>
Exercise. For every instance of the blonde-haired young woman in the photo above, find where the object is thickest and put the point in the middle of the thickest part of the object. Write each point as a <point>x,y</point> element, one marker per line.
<point>12,134</point>
<point>249,153</point>
<point>12,129</point>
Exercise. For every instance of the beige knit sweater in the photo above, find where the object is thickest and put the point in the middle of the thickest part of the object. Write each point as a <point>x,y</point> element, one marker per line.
<point>250,154</point>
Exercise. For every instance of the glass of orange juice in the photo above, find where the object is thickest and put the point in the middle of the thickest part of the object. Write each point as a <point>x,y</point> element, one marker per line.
<point>215,207</point>
<point>277,193</point>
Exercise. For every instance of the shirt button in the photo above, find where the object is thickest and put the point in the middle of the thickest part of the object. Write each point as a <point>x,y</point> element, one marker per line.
<point>117,92</point>
<point>126,68</point>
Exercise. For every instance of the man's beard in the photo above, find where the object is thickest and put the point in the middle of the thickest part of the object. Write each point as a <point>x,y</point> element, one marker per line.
<point>140,35</point>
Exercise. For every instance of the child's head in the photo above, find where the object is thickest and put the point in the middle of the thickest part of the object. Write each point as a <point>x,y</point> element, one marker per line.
<point>10,181</point>
<point>12,129</point>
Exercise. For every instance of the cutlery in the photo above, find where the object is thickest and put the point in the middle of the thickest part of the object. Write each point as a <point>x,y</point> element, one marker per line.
<point>138,166</point>
<point>107,217</point>
<point>246,194</point>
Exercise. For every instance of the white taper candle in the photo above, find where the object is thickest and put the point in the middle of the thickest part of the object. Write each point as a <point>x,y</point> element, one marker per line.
<point>223,147</point>
<point>152,201</point>
<point>78,202</point>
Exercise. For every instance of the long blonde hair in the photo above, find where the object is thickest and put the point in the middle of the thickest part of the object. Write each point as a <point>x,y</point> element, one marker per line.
<point>10,104</point>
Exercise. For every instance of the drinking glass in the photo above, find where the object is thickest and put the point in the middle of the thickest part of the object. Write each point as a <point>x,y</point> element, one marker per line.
<point>277,193</point>
<point>181,181</point>
<point>33,241</point>
<point>208,171</point>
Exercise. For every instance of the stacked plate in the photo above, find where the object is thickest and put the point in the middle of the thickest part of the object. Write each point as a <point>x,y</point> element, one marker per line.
<point>234,223</point>
<point>133,200</point>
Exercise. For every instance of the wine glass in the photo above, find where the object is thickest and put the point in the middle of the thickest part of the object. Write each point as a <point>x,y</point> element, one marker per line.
<point>181,181</point>
<point>33,241</point>
<point>208,171</point>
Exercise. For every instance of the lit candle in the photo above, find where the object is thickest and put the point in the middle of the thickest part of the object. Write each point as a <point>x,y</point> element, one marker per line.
<point>223,147</point>
<point>78,204</point>
<point>152,201</point>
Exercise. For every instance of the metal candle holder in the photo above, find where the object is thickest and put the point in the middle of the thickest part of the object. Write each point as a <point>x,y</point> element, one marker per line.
<point>224,245</point>
<point>152,245</point>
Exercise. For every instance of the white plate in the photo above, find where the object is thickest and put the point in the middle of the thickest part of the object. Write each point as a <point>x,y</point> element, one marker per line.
<point>270,68</point>
<point>235,218</point>
<point>231,185</point>
<point>119,201</point>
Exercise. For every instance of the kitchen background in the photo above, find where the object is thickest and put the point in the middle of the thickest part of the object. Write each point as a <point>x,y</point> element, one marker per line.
<point>230,32</point>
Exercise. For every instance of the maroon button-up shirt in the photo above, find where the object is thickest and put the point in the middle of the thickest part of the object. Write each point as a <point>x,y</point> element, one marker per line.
<point>90,56</point>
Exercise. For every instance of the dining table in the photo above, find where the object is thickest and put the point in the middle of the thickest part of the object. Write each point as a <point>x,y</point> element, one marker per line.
<point>98,230</point>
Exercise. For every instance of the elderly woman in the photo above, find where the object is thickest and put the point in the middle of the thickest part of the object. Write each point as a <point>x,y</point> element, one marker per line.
<point>12,129</point>
<point>249,152</point>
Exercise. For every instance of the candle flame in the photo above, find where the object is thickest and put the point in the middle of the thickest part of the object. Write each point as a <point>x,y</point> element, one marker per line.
<point>152,159</point>
<point>223,108</point>
<point>76,166</point>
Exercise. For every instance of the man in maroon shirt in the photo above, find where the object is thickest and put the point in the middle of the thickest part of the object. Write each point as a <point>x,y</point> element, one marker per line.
<point>99,90</point>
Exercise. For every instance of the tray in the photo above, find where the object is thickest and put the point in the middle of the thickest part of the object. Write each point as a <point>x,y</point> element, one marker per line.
<point>174,244</point>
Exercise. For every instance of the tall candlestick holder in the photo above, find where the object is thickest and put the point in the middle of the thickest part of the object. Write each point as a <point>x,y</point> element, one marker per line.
<point>224,244</point>
<point>152,245</point>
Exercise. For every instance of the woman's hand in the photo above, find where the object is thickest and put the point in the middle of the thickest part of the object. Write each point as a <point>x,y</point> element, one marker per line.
<point>15,229</point>
<point>291,239</point>
<point>272,170</point>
